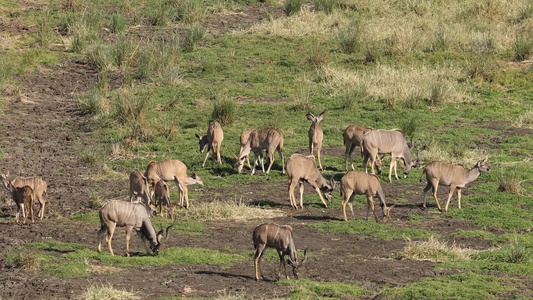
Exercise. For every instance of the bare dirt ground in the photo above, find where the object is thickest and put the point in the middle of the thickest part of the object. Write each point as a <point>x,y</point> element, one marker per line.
<point>44,134</point>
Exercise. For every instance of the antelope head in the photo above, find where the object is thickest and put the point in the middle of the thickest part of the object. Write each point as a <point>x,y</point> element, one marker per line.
<point>239,161</point>
<point>155,246</point>
<point>297,265</point>
<point>386,213</point>
<point>327,189</point>
<point>482,165</point>
<point>202,141</point>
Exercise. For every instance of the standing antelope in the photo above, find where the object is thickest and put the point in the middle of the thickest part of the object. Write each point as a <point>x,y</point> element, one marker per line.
<point>245,135</point>
<point>316,135</point>
<point>352,135</point>
<point>259,140</point>
<point>299,168</point>
<point>454,176</point>
<point>382,141</point>
<point>23,197</point>
<point>163,198</point>
<point>359,183</point>
<point>37,184</point>
<point>172,170</point>
<point>139,187</point>
<point>213,141</point>
<point>280,238</point>
<point>133,216</point>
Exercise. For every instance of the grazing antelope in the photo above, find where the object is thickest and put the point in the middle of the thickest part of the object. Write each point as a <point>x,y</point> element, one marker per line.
<point>132,216</point>
<point>455,176</point>
<point>140,188</point>
<point>163,198</point>
<point>23,197</point>
<point>316,135</point>
<point>245,135</point>
<point>213,141</point>
<point>259,140</point>
<point>172,170</point>
<point>279,238</point>
<point>37,184</point>
<point>359,183</point>
<point>352,135</point>
<point>299,168</point>
<point>382,141</point>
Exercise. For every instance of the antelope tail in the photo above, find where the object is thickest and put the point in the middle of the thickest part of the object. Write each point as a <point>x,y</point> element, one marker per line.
<point>422,177</point>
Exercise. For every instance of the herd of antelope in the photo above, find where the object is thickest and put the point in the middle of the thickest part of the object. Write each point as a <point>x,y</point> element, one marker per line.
<point>136,213</point>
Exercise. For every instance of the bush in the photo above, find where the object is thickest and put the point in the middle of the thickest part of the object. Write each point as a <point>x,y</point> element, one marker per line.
<point>293,7</point>
<point>195,34</point>
<point>224,111</point>
<point>348,38</point>
<point>523,47</point>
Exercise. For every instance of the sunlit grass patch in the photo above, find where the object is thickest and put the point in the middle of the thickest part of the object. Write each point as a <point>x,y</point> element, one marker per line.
<point>435,250</point>
<point>371,228</point>
<point>436,152</point>
<point>459,286</point>
<point>525,120</point>
<point>106,291</point>
<point>495,215</point>
<point>56,246</point>
<point>395,83</point>
<point>308,289</point>
<point>230,210</point>
<point>67,269</point>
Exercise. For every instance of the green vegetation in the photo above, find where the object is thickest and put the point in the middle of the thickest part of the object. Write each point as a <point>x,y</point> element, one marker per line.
<point>308,289</point>
<point>371,228</point>
<point>461,286</point>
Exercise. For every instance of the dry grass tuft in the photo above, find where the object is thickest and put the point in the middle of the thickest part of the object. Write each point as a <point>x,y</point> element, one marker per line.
<point>509,182</point>
<point>230,210</point>
<point>28,262</point>
<point>466,157</point>
<point>106,291</point>
<point>525,120</point>
<point>435,250</point>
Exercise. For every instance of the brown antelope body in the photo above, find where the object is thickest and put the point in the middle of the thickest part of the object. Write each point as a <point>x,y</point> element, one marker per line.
<point>316,135</point>
<point>176,170</point>
<point>455,176</point>
<point>245,135</point>
<point>23,197</point>
<point>133,216</point>
<point>359,183</point>
<point>38,185</point>
<point>352,135</point>
<point>162,197</point>
<point>213,141</point>
<point>259,140</point>
<point>391,142</point>
<point>139,187</point>
<point>279,238</point>
<point>300,168</point>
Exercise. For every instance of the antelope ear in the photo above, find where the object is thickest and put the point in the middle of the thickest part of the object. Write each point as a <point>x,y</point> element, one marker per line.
<point>321,116</point>
<point>310,116</point>
<point>196,134</point>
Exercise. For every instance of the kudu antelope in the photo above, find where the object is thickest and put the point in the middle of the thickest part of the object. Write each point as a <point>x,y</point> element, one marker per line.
<point>300,168</point>
<point>23,197</point>
<point>245,135</point>
<point>259,140</point>
<point>176,170</point>
<point>279,238</point>
<point>316,135</point>
<point>352,135</point>
<point>359,183</point>
<point>132,216</point>
<point>213,141</point>
<point>455,176</point>
<point>382,141</point>
<point>162,197</point>
<point>38,185</point>
<point>140,188</point>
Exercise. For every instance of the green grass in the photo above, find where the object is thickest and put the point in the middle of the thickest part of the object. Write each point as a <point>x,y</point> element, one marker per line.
<point>495,215</point>
<point>458,286</point>
<point>372,229</point>
<point>309,289</point>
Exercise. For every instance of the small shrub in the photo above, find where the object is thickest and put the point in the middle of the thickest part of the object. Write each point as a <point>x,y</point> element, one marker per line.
<point>118,23</point>
<point>439,41</point>
<point>7,69</point>
<point>209,65</point>
<point>523,47</point>
<point>91,157</point>
<point>188,11</point>
<point>194,34</point>
<point>326,6</point>
<point>349,39</point>
<point>94,200</point>
<point>129,107</point>
<point>439,93</point>
<point>409,126</point>
<point>93,102</point>
<point>318,56</point>
<point>99,58</point>
<point>123,52</point>
<point>293,7</point>
<point>519,253</point>
<point>224,111</point>
<point>354,95</point>
<point>525,120</point>
<point>27,261</point>
<point>509,182</point>
<point>480,68</point>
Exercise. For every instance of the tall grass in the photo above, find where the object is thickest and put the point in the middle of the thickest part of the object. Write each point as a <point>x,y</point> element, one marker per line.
<point>230,210</point>
<point>435,250</point>
<point>106,291</point>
